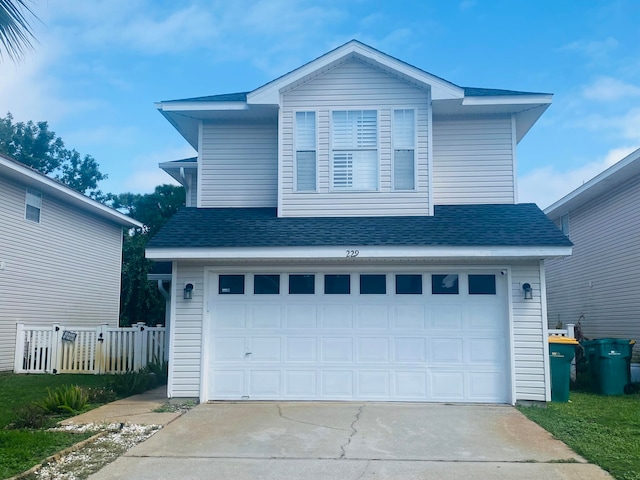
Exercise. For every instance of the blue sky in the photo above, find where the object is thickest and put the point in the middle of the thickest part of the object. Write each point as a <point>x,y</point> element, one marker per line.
<point>100,65</point>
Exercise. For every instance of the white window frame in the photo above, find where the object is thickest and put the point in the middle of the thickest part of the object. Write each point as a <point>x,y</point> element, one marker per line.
<point>332,150</point>
<point>296,150</point>
<point>395,146</point>
<point>33,203</point>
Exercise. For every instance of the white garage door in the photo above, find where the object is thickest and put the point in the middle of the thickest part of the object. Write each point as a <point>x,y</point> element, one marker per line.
<point>402,336</point>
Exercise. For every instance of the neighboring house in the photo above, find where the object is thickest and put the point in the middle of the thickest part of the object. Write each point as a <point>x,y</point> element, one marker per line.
<point>60,255</point>
<point>356,236</point>
<point>599,283</point>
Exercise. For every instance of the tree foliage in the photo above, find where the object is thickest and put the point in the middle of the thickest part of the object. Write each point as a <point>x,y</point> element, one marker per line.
<point>140,300</point>
<point>15,30</point>
<point>33,144</point>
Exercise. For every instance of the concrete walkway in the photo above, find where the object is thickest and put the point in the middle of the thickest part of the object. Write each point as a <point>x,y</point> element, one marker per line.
<point>317,441</point>
<point>137,409</point>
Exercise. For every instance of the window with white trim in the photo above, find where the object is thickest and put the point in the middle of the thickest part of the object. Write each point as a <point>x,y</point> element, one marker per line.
<point>33,205</point>
<point>404,163</point>
<point>355,150</point>
<point>306,151</point>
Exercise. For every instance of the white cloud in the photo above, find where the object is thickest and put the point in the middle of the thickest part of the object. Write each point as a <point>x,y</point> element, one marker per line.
<point>546,185</point>
<point>595,50</point>
<point>608,89</point>
<point>625,126</point>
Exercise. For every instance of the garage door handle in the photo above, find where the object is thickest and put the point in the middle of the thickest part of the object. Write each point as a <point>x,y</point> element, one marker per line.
<point>247,354</point>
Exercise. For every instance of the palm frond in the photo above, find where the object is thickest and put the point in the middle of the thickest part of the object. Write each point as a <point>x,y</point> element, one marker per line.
<point>15,31</point>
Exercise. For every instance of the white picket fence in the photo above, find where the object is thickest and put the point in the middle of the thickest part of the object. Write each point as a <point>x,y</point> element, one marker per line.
<point>564,332</point>
<point>78,349</point>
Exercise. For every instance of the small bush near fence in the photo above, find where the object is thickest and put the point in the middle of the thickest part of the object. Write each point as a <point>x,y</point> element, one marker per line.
<point>65,399</point>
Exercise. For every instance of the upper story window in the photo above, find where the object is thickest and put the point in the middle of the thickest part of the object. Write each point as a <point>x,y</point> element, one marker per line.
<point>404,170</point>
<point>306,151</point>
<point>33,205</point>
<point>355,150</point>
<point>564,224</point>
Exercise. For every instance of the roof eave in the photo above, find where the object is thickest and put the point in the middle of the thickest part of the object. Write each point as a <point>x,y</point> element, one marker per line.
<point>60,191</point>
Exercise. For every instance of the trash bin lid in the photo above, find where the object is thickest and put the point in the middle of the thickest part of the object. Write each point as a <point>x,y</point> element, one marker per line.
<point>559,339</point>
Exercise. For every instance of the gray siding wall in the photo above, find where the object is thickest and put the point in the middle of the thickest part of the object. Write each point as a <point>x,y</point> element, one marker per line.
<point>187,333</point>
<point>354,85</point>
<point>65,269</point>
<point>239,165</point>
<point>473,160</point>
<point>601,279</point>
<point>191,189</point>
<point>529,341</point>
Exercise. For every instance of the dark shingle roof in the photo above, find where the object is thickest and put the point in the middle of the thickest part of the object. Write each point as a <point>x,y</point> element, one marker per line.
<point>457,225</point>
<point>224,97</point>
<point>495,92</point>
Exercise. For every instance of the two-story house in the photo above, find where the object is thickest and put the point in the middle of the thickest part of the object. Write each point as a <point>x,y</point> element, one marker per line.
<point>60,257</point>
<point>352,232</point>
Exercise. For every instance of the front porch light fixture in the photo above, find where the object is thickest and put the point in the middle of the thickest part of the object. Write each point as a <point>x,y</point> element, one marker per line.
<point>188,291</point>
<point>528,291</point>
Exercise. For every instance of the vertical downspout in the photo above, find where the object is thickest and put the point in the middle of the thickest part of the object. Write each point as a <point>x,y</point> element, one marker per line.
<point>167,313</point>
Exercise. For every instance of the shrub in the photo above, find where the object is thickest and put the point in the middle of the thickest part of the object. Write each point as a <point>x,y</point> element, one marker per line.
<point>100,394</point>
<point>65,399</point>
<point>130,383</point>
<point>158,370</point>
<point>29,415</point>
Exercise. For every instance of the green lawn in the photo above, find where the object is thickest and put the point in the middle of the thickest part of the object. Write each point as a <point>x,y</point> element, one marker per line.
<point>604,430</point>
<point>22,448</point>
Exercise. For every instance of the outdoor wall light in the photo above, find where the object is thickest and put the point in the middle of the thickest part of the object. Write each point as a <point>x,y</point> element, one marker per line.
<point>188,291</point>
<point>528,291</point>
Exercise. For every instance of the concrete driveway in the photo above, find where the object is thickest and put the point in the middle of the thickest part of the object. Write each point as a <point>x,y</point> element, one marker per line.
<point>342,441</point>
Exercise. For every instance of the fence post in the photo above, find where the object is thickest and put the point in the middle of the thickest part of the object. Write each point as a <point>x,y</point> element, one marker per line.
<point>101,349</point>
<point>140,351</point>
<point>18,362</point>
<point>55,359</point>
<point>571,332</point>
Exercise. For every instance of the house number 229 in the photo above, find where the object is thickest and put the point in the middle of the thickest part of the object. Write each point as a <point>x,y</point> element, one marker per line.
<point>352,253</point>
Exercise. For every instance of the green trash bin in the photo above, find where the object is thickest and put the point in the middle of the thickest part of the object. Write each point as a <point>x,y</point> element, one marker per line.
<point>561,353</point>
<point>609,364</point>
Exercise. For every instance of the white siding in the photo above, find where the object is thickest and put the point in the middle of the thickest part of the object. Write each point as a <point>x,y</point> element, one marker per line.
<point>601,279</point>
<point>473,160</point>
<point>65,269</point>
<point>354,85</point>
<point>191,188</point>
<point>239,165</point>
<point>186,352</point>
<point>528,334</point>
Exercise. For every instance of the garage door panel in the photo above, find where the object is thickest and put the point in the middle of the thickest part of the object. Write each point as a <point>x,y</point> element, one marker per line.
<point>229,349</point>
<point>301,349</point>
<point>410,317</point>
<point>230,315</point>
<point>373,316</point>
<point>446,317</point>
<point>336,384</point>
<point>337,350</point>
<point>486,350</point>
<point>372,384</point>
<point>265,349</point>
<point>264,383</point>
<point>486,385</point>
<point>265,316</point>
<point>301,383</point>
<point>447,386</point>
<point>410,385</point>
<point>302,316</point>
<point>337,316</point>
<point>227,384</point>
<point>483,317</point>
<point>410,350</point>
<point>373,350</point>
<point>447,351</point>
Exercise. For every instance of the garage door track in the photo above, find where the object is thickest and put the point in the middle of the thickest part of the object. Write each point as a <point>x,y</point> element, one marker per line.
<point>314,441</point>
